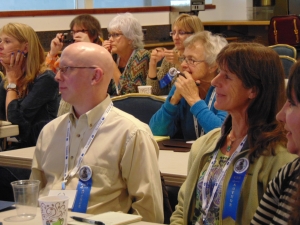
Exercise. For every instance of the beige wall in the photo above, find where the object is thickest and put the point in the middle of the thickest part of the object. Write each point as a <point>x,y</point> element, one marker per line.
<point>49,23</point>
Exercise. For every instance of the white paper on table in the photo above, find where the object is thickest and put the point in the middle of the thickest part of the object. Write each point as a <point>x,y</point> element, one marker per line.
<point>112,218</point>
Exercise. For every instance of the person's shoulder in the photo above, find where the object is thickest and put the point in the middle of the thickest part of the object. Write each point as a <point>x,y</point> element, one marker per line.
<point>281,156</point>
<point>282,150</point>
<point>209,139</point>
<point>142,53</point>
<point>55,124</point>
<point>293,165</point>
<point>46,75</point>
<point>205,144</point>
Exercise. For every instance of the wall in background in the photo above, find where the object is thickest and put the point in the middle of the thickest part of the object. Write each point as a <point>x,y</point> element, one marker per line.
<point>53,23</point>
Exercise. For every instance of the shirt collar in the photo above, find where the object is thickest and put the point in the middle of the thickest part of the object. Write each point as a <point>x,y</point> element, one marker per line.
<point>92,116</point>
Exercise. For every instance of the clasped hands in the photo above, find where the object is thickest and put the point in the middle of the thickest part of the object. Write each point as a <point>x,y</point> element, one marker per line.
<point>170,55</point>
<point>186,88</point>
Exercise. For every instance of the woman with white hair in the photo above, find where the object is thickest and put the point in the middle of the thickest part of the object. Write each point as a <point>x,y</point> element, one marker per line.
<point>189,111</point>
<point>132,61</point>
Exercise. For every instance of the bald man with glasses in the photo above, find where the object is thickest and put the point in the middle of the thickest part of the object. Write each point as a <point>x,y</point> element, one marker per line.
<point>105,154</point>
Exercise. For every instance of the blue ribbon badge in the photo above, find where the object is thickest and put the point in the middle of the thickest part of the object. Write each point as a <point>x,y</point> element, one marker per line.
<point>234,188</point>
<point>83,190</point>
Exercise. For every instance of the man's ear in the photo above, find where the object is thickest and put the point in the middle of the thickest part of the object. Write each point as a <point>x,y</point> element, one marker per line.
<point>98,76</point>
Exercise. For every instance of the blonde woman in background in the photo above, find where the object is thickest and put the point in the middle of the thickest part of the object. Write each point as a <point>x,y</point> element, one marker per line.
<point>28,93</point>
<point>184,26</point>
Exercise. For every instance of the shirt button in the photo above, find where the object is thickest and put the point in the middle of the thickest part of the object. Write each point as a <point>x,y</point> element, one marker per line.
<point>78,135</point>
<point>91,125</point>
<point>72,157</point>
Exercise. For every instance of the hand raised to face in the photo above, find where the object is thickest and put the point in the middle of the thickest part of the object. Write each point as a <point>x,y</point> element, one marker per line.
<point>15,68</point>
<point>187,88</point>
<point>156,55</point>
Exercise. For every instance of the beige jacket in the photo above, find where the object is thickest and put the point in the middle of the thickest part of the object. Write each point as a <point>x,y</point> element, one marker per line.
<point>256,180</point>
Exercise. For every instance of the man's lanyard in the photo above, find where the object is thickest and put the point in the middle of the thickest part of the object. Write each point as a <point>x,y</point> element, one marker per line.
<point>84,150</point>
<point>205,203</point>
<point>195,119</point>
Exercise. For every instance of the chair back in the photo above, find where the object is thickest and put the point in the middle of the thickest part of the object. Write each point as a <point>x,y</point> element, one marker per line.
<point>287,63</point>
<point>284,49</point>
<point>141,106</point>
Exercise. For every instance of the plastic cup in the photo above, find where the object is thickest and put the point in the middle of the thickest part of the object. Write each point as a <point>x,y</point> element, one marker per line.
<point>147,89</point>
<point>26,194</point>
<point>54,209</point>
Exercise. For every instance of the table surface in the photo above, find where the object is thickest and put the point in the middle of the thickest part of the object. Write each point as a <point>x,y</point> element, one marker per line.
<point>38,219</point>
<point>9,130</point>
<point>173,165</point>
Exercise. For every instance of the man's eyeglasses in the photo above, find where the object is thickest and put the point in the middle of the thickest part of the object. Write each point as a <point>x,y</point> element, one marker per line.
<point>190,61</point>
<point>114,35</point>
<point>72,32</point>
<point>180,33</point>
<point>65,68</point>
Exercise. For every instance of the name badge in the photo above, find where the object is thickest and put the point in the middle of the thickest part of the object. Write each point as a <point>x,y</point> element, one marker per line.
<point>234,188</point>
<point>85,173</point>
<point>84,187</point>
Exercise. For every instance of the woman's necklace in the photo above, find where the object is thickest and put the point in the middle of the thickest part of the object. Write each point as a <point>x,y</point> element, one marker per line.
<point>231,140</point>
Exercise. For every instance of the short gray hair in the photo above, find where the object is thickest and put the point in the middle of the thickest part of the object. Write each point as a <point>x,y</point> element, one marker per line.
<point>212,44</point>
<point>130,27</point>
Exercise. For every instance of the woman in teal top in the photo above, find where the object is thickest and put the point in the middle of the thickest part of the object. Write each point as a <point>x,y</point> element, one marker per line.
<point>189,110</point>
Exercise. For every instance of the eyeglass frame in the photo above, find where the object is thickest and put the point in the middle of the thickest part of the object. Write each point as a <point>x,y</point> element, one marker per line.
<point>180,33</point>
<point>190,61</point>
<point>72,32</point>
<point>64,69</point>
<point>114,35</point>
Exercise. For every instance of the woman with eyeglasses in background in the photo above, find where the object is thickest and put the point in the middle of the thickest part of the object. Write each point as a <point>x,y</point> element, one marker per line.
<point>189,111</point>
<point>125,42</point>
<point>184,26</point>
<point>84,28</point>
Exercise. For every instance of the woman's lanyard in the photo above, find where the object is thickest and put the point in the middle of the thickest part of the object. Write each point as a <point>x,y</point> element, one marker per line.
<point>118,61</point>
<point>205,203</point>
<point>209,106</point>
<point>83,151</point>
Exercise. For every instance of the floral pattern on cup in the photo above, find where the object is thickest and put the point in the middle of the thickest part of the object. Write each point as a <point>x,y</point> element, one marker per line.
<point>54,214</point>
